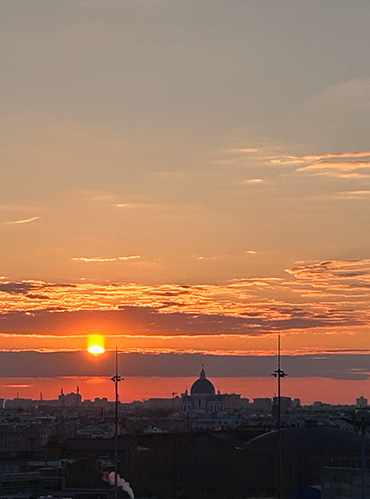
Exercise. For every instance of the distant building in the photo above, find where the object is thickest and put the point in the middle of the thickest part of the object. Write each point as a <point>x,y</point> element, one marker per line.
<point>19,402</point>
<point>170,404</point>
<point>203,398</point>
<point>286,404</point>
<point>262,404</point>
<point>361,401</point>
<point>97,431</point>
<point>233,402</point>
<point>71,399</point>
<point>21,437</point>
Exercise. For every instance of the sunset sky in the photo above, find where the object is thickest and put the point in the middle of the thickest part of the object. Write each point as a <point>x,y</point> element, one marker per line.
<point>186,178</point>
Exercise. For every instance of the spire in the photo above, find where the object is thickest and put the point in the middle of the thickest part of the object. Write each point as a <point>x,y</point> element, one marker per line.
<point>202,373</point>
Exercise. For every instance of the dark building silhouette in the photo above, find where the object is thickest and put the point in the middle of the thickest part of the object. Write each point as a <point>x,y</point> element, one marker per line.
<point>305,453</point>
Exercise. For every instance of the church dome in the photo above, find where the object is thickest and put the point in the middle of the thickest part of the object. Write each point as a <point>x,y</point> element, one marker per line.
<point>202,386</point>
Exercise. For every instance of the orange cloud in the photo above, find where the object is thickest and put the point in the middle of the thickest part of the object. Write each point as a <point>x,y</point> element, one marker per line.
<point>323,294</point>
<point>320,157</point>
<point>102,259</point>
<point>25,221</point>
<point>351,195</point>
<point>253,181</point>
<point>336,165</point>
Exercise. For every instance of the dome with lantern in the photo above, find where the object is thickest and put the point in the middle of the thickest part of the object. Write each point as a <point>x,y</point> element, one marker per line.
<point>202,386</point>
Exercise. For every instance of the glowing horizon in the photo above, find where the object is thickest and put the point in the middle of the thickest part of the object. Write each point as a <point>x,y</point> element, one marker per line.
<point>308,390</point>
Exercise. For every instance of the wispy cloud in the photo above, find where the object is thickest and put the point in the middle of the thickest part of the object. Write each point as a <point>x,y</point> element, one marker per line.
<point>24,221</point>
<point>351,195</point>
<point>343,166</point>
<point>103,259</point>
<point>320,157</point>
<point>348,165</point>
<point>133,205</point>
<point>253,181</point>
<point>321,161</point>
<point>204,258</point>
<point>241,150</point>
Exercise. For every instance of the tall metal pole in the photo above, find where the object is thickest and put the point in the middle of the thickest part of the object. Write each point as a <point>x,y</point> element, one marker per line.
<point>279,373</point>
<point>363,461</point>
<point>116,379</point>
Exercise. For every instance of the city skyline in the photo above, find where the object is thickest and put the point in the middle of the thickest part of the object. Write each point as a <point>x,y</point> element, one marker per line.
<point>188,180</point>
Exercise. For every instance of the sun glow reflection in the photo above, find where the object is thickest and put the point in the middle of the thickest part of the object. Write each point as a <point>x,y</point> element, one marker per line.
<point>96,344</point>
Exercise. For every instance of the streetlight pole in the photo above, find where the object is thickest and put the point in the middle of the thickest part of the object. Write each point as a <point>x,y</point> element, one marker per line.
<point>116,379</point>
<point>363,461</point>
<point>362,421</point>
<point>279,373</point>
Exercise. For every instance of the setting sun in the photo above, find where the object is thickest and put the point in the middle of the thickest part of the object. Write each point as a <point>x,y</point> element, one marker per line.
<point>96,344</point>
